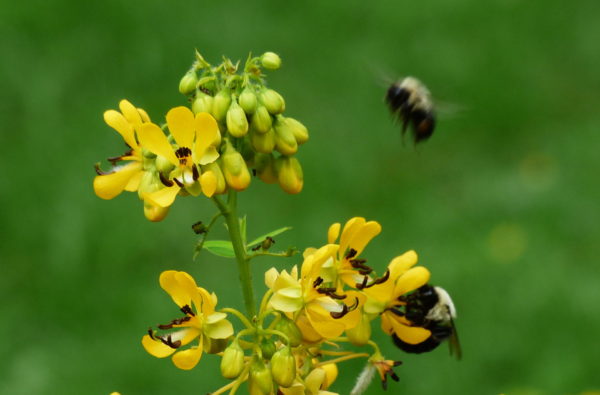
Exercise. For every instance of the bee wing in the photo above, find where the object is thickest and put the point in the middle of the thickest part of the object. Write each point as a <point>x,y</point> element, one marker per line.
<point>453,342</point>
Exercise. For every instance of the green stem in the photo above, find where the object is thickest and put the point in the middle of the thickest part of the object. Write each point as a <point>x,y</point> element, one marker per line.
<point>229,211</point>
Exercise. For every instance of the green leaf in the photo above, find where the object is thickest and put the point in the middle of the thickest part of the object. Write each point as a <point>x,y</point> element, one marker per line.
<point>221,248</point>
<point>274,233</point>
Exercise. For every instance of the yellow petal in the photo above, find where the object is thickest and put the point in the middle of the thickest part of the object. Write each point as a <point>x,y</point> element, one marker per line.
<point>163,197</point>
<point>134,181</point>
<point>144,115</point>
<point>209,156</point>
<point>208,182</point>
<point>117,121</point>
<point>270,277</point>
<point>364,235</point>
<point>110,185</point>
<point>221,329</point>
<point>189,358</point>
<point>323,323</point>
<point>207,132</point>
<point>181,125</point>
<point>153,139</point>
<point>411,280</point>
<point>402,263</point>
<point>156,347</point>
<point>409,334</point>
<point>287,301</point>
<point>333,232</point>
<point>131,114</point>
<point>170,283</point>
<point>350,229</point>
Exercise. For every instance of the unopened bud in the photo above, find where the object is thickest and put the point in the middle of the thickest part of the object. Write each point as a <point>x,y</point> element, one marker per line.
<point>267,346</point>
<point>289,174</point>
<point>216,169</point>
<point>202,103</point>
<point>285,142</point>
<point>265,168</point>
<point>261,120</point>
<point>221,104</point>
<point>188,83</point>
<point>289,328</point>
<point>331,373</point>
<point>314,380</point>
<point>232,362</point>
<point>361,333</point>
<point>155,213</point>
<point>298,130</point>
<point>237,124</point>
<point>235,170</point>
<point>283,367</point>
<point>248,100</point>
<point>261,381</point>
<point>270,60</point>
<point>273,101</point>
<point>263,142</point>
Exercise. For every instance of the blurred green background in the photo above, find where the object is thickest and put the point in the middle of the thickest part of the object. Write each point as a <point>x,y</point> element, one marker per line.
<point>501,204</point>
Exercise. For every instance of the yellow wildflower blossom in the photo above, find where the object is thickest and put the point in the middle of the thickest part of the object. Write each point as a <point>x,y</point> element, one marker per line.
<point>201,322</point>
<point>195,138</point>
<point>127,177</point>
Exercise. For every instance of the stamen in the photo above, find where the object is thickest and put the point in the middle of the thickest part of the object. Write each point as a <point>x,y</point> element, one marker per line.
<point>179,183</point>
<point>165,181</point>
<point>187,310</point>
<point>360,264</point>
<point>169,342</point>
<point>340,314</point>
<point>183,152</point>
<point>151,334</point>
<point>331,293</point>
<point>379,280</point>
<point>317,282</point>
<point>100,172</point>
<point>351,254</point>
<point>177,321</point>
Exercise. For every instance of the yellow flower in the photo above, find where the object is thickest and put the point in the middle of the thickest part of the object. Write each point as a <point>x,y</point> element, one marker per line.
<point>200,321</point>
<point>315,383</point>
<point>195,138</point>
<point>401,278</point>
<point>319,311</point>
<point>348,268</point>
<point>127,177</point>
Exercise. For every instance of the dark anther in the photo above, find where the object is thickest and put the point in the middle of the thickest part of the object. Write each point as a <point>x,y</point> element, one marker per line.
<point>351,254</point>
<point>179,183</point>
<point>177,321</point>
<point>151,334</point>
<point>362,285</point>
<point>187,310</point>
<point>341,313</point>
<point>326,290</point>
<point>183,152</point>
<point>355,305</point>
<point>317,282</point>
<point>169,342</point>
<point>360,264</point>
<point>195,173</point>
<point>394,376</point>
<point>165,326</point>
<point>379,280</point>
<point>165,181</point>
<point>115,159</point>
<point>100,172</point>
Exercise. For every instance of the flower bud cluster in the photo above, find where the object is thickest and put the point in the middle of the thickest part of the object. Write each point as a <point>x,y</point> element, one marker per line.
<point>251,120</point>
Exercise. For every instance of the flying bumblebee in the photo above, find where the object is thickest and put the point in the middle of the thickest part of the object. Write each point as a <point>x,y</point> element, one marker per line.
<point>410,102</point>
<point>431,308</point>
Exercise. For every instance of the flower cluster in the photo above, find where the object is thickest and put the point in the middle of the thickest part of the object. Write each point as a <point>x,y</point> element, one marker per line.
<point>287,347</point>
<point>233,128</point>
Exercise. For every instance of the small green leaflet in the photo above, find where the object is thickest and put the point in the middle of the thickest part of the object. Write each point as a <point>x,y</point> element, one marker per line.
<point>222,248</point>
<point>274,233</point>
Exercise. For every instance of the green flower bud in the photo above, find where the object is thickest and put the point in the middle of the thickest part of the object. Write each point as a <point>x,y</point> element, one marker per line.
<point>237,124</point>
<point>270,60</point>
<point>234,169</point>
<point>263,142</point>
<point>283,367</point>
<point>273,101</point>
<point>289,174</point>
<point>288,327</point>
<point>261,381</point>
<point>265,168</point>
<point>221,104</point>
<point>261,120</point>
<point>248,100</point>
<point>188,82</point>
<point>232,362</point>
<point>216,169</point>
<point>298,130</point>
<point>202,103</point>
<point>285,142</point>
<point>361,333</point>
<point>163,165</point>
<point>268,348</point>
<point>155,213</point>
